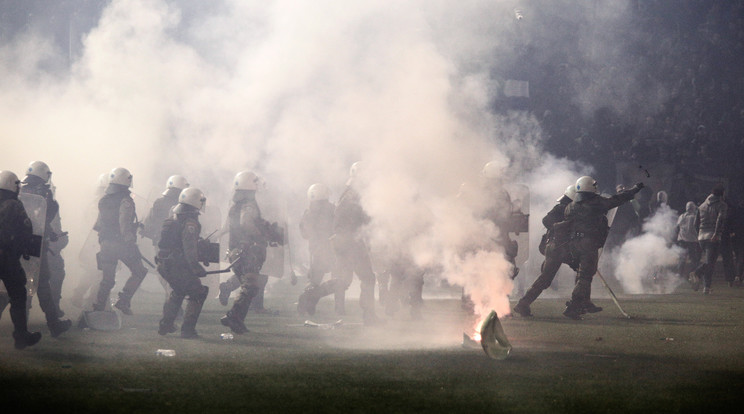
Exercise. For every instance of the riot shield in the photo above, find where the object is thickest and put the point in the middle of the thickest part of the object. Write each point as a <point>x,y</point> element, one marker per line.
<point>519,222</point>
<point>35,206</point>
<point>274,211</point>
<point>211,226</point>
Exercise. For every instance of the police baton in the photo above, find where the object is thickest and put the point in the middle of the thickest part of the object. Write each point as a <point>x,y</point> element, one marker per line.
<point>612,294</point>
<point>227,269</point>
<point>144,259</point>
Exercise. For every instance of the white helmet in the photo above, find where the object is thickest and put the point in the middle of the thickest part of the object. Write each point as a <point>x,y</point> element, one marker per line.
<point>586,184</point>
<point>570,193</point>
<point>318,192</point>
<point>354,172</point>
<point>9,181</point>
<point>246,180</point>
<point>120,176</point>
<point>493,169</point>
<point>39,169</point>
<point>176,181</point>
<point>193,197</point>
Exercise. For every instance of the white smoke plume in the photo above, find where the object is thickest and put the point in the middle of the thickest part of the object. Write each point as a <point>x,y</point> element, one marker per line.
<point>648,262</point>
<point>297,91</point>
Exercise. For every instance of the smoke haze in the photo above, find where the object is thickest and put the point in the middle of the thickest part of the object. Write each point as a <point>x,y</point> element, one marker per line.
<point>648,262</point>
<point>297,91</point>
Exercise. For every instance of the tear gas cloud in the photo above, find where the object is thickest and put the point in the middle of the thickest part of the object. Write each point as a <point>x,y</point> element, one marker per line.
<point>648,262</point>
<point>296,91</point>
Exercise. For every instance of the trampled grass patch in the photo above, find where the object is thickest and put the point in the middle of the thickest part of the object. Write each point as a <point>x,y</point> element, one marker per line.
<point>680,352</point>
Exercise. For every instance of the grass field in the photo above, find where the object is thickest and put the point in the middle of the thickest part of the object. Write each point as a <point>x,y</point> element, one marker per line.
<point>682,352</point>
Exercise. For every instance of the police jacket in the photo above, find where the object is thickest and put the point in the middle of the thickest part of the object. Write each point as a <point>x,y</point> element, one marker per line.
<point>711,217</point>
<point>117,219</point>
<point>316,225</point>
<point>556,214</point>
<point>160,211</point>
<point>35,185</point>
<point>246,226</point>
<point>15,226</point>
<point>587,213</point>
<point>349,216</point>
<point>179,239</point>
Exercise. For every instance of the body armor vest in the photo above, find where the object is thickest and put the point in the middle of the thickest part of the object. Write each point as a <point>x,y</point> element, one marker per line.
<point>237,235</point>
<point>108,216</point>
<point>170,235</point>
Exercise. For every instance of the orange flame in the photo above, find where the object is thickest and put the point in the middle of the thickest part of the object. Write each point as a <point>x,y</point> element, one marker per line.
<point>476,335</point>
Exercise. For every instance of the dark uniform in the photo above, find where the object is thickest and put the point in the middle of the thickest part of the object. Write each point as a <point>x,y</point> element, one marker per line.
<point>160,211</point>
<point>352,258</point>
<point>711,220</point>
<point>406,285</point>
<point>352,255</point>
<point>36,185</point>
<point>178,263</point>
<point>15,234</point>
<point>588,232</point>
<point>116,227</point>
<point>555,255</point>
<point>249,237</point>
<point>316,226</point>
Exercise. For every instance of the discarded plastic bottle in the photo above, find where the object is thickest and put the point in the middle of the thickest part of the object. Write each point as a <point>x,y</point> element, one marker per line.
<point>227,336</point>
<point>165,352</point>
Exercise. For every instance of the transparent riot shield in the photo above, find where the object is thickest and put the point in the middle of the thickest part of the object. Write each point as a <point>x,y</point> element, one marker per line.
<point>211,229</point>
<point>35,206</point>
<point>519,227</point>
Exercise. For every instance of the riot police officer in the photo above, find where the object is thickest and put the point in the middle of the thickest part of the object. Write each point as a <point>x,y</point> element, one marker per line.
<point>160,211</point>
<point>15,235</point>
<point>499,211</point>
<point>352,256</point>
<point>316,226</point>
<point>161,208</point>
<point>117,235</point>
<point>178,263</point>
<point>586,222</point>
<point>37,181</point>
<point>554,253</point>
<point>249,237</point>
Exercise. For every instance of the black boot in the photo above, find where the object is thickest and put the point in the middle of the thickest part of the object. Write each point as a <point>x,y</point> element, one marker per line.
<point>24,339</point>
<point>170,311</point>
<point>308,300</point>
<point>573,311</point>
<point>522,309</point>
<point>123,304</point>
<point>190,316</point>
<point>59,327</point>
<point>234,324</point>
<point>589,307</point>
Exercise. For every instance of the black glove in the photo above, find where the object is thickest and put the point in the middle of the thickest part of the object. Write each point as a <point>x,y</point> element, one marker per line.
<point>640,185</point>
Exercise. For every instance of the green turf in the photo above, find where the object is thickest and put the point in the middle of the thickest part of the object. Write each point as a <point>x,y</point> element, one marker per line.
<point>681,352</point>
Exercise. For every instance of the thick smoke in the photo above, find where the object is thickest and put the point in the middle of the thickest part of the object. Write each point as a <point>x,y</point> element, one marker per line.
<point>648,263</point>
<point>297,91</point>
